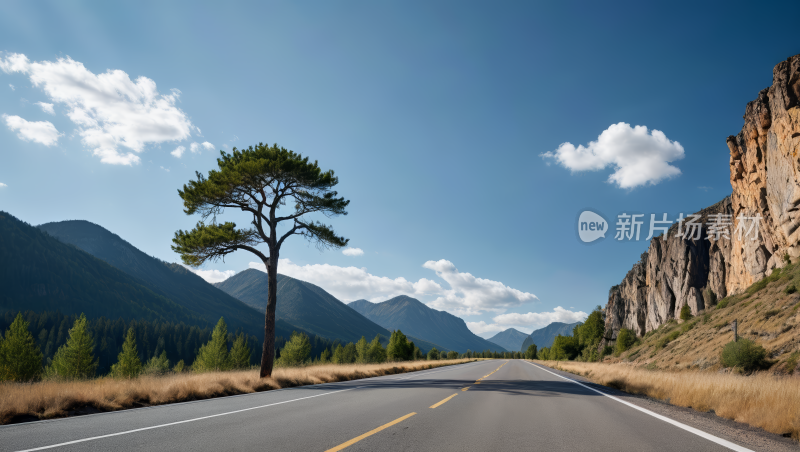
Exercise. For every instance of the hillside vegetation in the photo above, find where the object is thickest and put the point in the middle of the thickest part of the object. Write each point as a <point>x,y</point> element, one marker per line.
<point>768,313</point>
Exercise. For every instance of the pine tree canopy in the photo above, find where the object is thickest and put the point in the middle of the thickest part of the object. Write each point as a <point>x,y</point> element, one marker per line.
<point>20,356</point>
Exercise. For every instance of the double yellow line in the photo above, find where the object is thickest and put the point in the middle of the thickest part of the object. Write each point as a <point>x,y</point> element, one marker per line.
<point>401,419</point>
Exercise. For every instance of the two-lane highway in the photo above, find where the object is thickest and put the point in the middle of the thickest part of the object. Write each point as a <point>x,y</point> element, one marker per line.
<point>480,406</point>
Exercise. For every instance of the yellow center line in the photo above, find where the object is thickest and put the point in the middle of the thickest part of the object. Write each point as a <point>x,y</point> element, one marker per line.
<point>465,389</point>
<point>443,401</point>
<point>372,432</point>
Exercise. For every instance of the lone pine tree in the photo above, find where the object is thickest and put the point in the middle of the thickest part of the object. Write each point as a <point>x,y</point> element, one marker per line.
<point>128,363</point>
<point>213,356</point>
<point>259,181</point>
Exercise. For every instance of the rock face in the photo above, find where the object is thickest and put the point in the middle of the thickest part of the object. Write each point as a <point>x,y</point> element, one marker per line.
<point>693,269</point>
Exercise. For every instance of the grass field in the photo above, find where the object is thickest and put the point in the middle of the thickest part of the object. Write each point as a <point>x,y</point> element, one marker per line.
<point>52,399</point>
<point>763,399</point>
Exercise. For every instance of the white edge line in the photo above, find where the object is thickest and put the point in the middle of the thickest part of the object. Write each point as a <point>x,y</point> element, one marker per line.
<point>180,422</point>
<point>697,432</point>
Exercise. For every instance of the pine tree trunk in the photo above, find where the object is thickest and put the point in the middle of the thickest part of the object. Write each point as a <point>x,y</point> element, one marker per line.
<point>268,352</point>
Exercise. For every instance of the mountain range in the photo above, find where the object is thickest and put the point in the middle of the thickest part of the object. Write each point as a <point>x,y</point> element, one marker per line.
<point>309,307</point>
<point>544,337</point>
<point>415,318</point>
<point>510,339</point>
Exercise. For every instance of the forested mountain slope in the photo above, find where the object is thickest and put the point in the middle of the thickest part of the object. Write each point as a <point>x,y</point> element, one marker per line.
<point>415,318</point>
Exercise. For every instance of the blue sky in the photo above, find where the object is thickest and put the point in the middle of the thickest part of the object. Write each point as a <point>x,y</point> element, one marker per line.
<point>434,115</point>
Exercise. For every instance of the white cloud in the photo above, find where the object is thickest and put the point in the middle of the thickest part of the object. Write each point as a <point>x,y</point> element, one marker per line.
<point>43,132</point>
<point>178,152</point>
<point>111,111</point>
<point>527,322</point>
<point>2,185</point>
<point>195,147</point>
<point>47,108</point>
<point>469,295</point>
<point>212,276</point>
<point>353,251</point>
<point>351,283</point>
<point>165,169</point>
<point>637,156</point>
<point>483,327</point>
<point>12,87</point>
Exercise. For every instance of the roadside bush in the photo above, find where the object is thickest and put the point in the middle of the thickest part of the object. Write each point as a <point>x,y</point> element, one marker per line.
<point>157,365</point>
<point>744,354</point>
<point>686,313</point>
<point>625,339</point>
<point>433,354</point>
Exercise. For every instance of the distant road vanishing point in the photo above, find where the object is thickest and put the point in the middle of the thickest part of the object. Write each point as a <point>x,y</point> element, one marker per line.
<point>481,406</point>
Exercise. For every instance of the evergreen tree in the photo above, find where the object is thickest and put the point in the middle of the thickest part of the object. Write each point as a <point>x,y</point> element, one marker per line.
<point>157,365</point>
<point>179,367</point>
<point>240,353</point>
<point>128,363</point>
<point>362,347</point>
<point>531,352</point>
<point>296,351</point>
<point>417,354</point>
<point>75,359</point>
<point>399,348</point>
<point>213,356</point>
<point>376,352</point>
<point>433,354</point>
<point>338,355</point>
<point>452,355</point>
<point>20,356</point>
<point>325,356</point>
<point>349,351</point>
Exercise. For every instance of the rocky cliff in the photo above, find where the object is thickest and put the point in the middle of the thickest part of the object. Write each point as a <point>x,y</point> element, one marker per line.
<point>680,269</point>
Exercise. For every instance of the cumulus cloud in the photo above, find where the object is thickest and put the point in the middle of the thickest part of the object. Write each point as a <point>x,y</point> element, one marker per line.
<point>469,295</point>
<point>353,251</point>
<point>47,108</point>
<point>116,116</point>
<point>43,132</point>
<point>178,152</point>
<point>638,157</point>
<point>352,283</point>
<point>213,276</point>
<point>527,322</point>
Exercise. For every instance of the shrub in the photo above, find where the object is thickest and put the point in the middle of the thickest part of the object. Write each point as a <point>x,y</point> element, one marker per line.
<point>157,365</point>
<point>771,313</point>
<point>791,363</point>
<point>607,350</point>
<point>790,289</point>
<point>433,354</point>
<point>686,313</point>
<point>625,339</point>
<point>452,355</point>
<point>706,317</point>
<point>667,339</point>
<point>774,276</point>
<point>723,303</point>
<point>744,354</point>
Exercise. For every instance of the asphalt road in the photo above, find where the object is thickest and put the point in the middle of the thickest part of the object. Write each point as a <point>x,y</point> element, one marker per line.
<point>508,405</point>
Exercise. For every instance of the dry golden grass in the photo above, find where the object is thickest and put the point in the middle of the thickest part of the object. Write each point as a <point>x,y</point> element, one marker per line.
<point>51,399</point>
<point>764,400</point>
